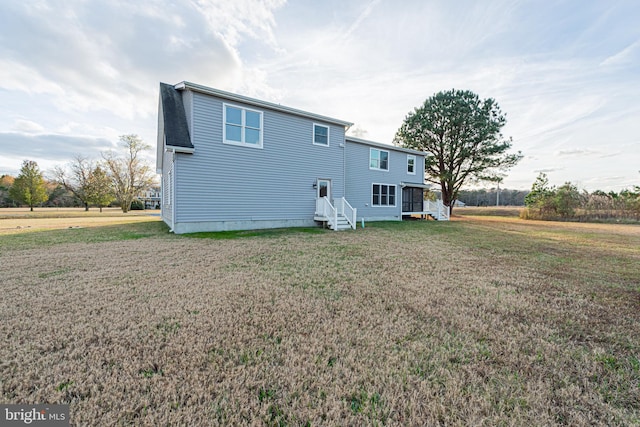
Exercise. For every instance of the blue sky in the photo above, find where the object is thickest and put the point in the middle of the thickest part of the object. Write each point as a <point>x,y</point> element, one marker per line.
<point>76,74</point>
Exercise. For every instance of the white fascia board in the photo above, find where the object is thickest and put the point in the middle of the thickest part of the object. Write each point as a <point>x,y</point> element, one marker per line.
<point>173,149</point>
<point>258,103</point>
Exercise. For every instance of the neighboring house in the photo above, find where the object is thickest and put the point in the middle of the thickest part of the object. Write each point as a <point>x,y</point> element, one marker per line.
<point>230,162</point>
<point>151,198</point>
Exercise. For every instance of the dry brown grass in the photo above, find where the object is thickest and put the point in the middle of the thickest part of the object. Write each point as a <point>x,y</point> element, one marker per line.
<point>473,322</point>
<point>7,213</point>
<point>20,220</point>
<point>502,211</point>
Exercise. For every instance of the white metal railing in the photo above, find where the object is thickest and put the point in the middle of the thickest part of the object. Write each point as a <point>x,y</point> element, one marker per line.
<point>345,209</point>
<point>437,209</point>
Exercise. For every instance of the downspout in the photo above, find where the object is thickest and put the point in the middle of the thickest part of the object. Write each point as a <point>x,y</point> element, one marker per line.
<point>344,170</point>
<point>401,193</point>
<point>344,162</point>
<point>173,193</point>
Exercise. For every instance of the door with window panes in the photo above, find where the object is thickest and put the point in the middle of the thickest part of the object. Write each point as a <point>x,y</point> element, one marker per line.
<point>324,188</point>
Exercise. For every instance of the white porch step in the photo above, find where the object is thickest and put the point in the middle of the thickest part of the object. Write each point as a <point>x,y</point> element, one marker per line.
<point>342,224</point>
<point>437,217</point>
<point>336,215</point>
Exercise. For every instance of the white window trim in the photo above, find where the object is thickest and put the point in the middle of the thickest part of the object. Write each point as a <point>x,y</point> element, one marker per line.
<point>313,136</point>
<point>243,125</point>
<point>388,160</point>
<point>395,196</point>
<point>409,157</point>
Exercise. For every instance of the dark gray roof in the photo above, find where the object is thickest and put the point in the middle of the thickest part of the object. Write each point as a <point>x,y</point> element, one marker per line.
<point>176,130</point>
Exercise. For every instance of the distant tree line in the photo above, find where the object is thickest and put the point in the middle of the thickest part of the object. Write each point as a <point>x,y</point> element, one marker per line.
<point>490,197</point>
<point>115,179</point>
<point>56,195</point>
<point>568,203</point>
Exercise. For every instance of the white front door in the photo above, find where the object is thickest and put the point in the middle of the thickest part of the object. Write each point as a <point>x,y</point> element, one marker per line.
<point>324,188</point>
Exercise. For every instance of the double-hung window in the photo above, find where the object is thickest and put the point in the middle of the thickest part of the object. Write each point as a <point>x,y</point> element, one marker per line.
<point>383,195</point>
<point>411,164</point>
<point>378,159</point>
<point>320,135</point>
<point>242,126</point>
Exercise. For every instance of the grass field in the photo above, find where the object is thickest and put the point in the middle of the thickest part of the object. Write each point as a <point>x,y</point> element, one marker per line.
<point>483,320</point>
<point>20,220</point>
<point>508,211</point>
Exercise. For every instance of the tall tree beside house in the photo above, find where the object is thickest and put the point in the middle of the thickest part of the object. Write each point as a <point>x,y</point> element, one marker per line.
<point>99,191</point>
<point>462,135</point>
<point>129,174</point>
<point>75,178</point>
<point>29,187</point>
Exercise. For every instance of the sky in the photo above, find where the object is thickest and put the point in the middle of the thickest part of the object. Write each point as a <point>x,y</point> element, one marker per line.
<point>77,74</point>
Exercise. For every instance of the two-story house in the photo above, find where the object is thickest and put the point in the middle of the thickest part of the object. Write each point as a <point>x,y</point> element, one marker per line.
<point>151,197</point>
<point>230,162</point>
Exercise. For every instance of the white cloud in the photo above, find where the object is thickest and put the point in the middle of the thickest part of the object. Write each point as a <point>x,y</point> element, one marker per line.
<point>110,55</point>
<point>93,68</point>
<point>626,56</point>
<point>27,126</point>
<point>548,170</point>
<point>365,13</point>
<point>578,152</point>
<point>18,77</point>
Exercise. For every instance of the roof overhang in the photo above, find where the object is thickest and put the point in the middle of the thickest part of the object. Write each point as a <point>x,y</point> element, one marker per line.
<point>170,149</point>
<point>415,184</point>
<point>258,103</point>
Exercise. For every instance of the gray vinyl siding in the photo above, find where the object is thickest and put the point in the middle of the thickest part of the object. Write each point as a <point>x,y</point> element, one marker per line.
<point>167,188</point>
<point>360,180</point>
<point>221,182</point>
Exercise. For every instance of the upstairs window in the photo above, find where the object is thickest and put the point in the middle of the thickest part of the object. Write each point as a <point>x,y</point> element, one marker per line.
<point>320,135</point>
<point>242,126</point>
<point>378,159</point>
<point>411,164</point>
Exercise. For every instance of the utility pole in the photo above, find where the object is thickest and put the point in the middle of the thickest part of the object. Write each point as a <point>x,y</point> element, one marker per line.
<point>498,195</point>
